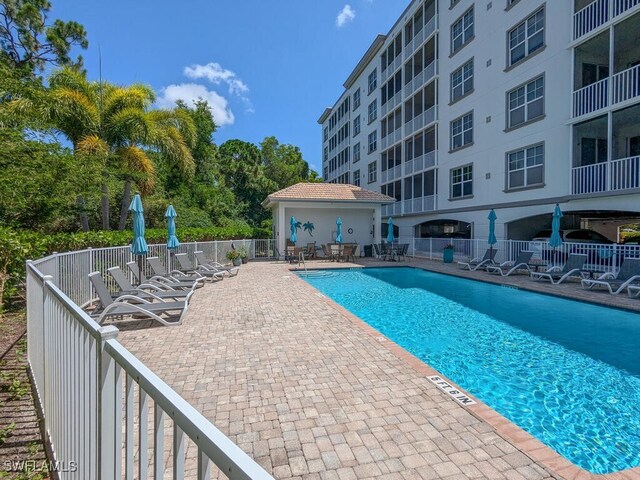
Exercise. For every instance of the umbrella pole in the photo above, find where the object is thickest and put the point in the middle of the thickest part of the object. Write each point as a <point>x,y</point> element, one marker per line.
<point>140,269</point>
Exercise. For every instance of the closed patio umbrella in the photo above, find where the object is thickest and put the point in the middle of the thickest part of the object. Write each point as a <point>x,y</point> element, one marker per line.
<point>492,229</point>
<point>294,237</point>
<point>390,237</point>
<point>139,244</point>
<point>555,240</point>
<point>172,240</point>
<point>339,232</point>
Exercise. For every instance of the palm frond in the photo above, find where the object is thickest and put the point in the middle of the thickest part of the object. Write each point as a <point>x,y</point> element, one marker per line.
<point>136,161</point>
<point>170,141</point>
<point>73,113</point>
<point>120,98</point>
<point>127,126</point>
<point>92,145</point>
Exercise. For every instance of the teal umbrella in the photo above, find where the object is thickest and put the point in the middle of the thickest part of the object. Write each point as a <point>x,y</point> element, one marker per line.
<point>556,240</point>
<point>492,228</point>
<point>294,237</point>
<point>172,240</point>
<point>139,244</point>
<point>339,233</point>
<point>390,237</point>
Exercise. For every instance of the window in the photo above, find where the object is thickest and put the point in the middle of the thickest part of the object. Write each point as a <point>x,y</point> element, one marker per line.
<point>462,81</point>
<point>325,135</point>
<point>373,171</point>
<point>462,31</point>
<point>326,154</point>
<point>356,99</point>
<point>525,167</point>
<point>526,103</point>
<point>462,181</point>
<point>373,80</point>
<point>356,152</point>
<point>373,141</point>
<point>462,131</point>
<point>373,111</point>
<point>526,37</point>
<point>356,125</point>
<point>356,178</point>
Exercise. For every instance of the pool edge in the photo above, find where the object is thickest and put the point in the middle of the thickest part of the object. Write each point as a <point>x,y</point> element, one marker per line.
<point>505,428</point>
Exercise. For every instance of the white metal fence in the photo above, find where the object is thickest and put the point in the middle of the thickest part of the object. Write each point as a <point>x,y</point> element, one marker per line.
<point>600,257</point>
<point>106,414</point>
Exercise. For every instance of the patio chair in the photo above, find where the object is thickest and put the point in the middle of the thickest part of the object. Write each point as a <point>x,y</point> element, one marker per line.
<point>479,262</point>
<point>326,251</point>
<point>175,275</point>
<point>507,268</point>
<point>187,267</point>
<point>166,313</point>
<point>628,275</point>
<point>556,275</point>
<point>311,250</point>
<point>162,280</point>
<point>377,251</point>
<point>633,291</point>
<point>144,289</point>
<point>215,266</point>
<point>402,251</point>
<point>335,252</point>
<point>348,252</point>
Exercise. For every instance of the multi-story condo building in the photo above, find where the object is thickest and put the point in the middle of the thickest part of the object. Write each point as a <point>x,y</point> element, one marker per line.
<point>514,105</point>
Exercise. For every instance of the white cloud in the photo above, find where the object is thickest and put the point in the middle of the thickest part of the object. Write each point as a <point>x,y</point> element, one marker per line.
<point>216,74</point>
<point>190,92</point>
<point>346,15</point>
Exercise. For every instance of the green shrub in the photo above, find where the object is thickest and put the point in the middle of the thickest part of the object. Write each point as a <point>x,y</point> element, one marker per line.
<point>18,246</point>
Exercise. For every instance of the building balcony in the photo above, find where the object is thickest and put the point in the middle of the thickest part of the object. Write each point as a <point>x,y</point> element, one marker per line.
<point>425,118</point>
<point>391,104</point>
<point>391,138</point>
<point>421,78</point>
<point>597,13</point>
<point>619,88</point>
<point>421,162</point>
<point>393,209</point>
<point>613,176</point>
<point>391,174</point>
<point>428,30</point>
<point>419,205</point>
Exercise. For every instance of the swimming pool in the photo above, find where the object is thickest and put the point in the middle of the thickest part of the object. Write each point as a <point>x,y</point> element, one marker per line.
<point>567,372</point>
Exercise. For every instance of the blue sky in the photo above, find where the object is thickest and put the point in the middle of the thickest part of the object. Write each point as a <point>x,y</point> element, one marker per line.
<point>269,67</point>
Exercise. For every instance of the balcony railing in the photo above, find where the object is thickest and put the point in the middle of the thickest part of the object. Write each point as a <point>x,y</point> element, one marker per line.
<point>591,98</point>
<point>626,84</point>
<point>425,118</point>
<point>421,162</point>
<point>598,13</point>
<point>622,174</point>
<point>421,78</point>
<point>391,174</point>
<point>619,88</point>
<point>419,205</point>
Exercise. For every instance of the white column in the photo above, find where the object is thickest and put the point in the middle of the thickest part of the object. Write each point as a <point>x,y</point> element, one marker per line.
<point>377,224</point>
<point>282,234</point>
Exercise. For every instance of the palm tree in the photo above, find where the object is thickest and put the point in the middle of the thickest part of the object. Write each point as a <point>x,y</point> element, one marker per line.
<point>114,125</point>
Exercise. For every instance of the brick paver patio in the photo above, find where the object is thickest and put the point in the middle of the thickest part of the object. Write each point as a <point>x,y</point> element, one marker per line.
<point>310,391</point>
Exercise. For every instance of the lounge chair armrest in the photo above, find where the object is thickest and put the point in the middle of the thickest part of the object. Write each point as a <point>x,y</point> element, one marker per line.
<point>155,287</point>
<point>553,269</point>
<point>606,275</point>
<point>130,298</point>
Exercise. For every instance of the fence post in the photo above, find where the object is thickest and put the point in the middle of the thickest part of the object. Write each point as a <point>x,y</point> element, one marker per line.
<point>107,441</point>
<point>215,250</point>
<point>430,248</point>
<point>42,342</point>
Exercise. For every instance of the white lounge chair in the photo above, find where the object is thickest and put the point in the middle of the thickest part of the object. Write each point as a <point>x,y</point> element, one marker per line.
<point>145,289</point>
<point>507,268</point>
<point>215,266</point>
<point>556,275</point>
<point>479,262</point>
<point>174,275</point>
<point>628,275</point>
<point>165,281</point>
<point>166,313</point>
<point>187,267</point>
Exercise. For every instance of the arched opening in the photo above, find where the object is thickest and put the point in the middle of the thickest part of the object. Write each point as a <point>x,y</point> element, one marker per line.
<point>443,229</point>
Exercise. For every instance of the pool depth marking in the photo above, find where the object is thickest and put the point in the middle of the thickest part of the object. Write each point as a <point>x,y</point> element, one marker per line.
<point>454,392</point>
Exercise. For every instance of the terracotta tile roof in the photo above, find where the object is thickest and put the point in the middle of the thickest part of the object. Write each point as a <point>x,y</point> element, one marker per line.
<point>329,192</point>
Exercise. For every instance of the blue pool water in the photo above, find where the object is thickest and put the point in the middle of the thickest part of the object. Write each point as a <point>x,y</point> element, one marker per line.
<point>566,372</point>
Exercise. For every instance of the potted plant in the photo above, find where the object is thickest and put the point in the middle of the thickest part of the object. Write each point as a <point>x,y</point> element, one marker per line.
<point>447,254</point>
<point>234,256</point>
<point>244,254</point>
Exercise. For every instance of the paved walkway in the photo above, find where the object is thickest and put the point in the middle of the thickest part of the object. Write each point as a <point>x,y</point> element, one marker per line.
<point>310,391</point>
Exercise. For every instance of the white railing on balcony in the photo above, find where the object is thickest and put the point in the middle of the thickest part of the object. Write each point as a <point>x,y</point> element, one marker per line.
<point>600,257</point>
<point>419,205</point>
<point>422,120</point>
<point>626,84</point>
<point>393,209</point>
<point>391,174</point>
<point>598,13</point>
<point>86,381</point>
<point>421,78</point>
<point>421,162</point>
<point>591,98</point>
<point>590,17</point>
<point>621,174</point>
<point>621,6</point>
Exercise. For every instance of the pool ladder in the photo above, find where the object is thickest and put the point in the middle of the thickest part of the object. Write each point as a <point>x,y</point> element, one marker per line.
<point>301,261</point>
